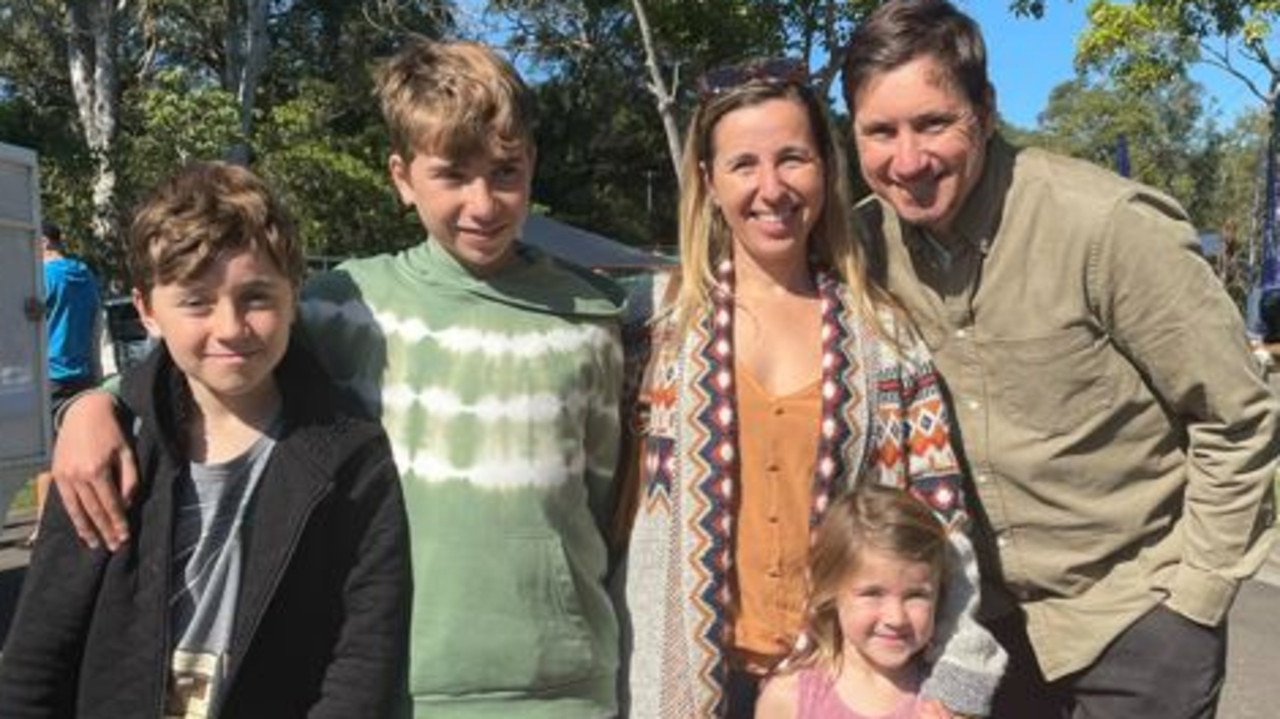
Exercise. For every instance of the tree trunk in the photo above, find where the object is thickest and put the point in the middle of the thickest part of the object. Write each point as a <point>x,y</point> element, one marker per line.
<point>246,51</point>
<point>91,59</point>
<point>658,86</point>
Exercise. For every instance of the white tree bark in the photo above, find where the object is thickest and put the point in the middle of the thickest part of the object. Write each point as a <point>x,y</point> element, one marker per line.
<point>246,44</point>
<point>91,59</point>
<point>658,86</point>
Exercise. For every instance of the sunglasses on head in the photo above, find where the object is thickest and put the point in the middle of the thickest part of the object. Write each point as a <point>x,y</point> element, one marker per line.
<point>773,71</point>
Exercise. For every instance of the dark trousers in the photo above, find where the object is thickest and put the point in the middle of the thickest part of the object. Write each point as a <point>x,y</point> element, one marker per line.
<point>741,693</point>
<point>1164,666</point>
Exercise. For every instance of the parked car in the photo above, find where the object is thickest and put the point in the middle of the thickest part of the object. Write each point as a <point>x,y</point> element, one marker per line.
<point>128,338</point>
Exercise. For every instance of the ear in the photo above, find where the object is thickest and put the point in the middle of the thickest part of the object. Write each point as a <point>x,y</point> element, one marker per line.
<point>400,175</point>
<point>145,314</point>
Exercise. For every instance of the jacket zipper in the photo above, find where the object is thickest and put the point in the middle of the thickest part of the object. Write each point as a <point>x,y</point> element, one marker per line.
<point>236,649</point>
<point>166,652</point>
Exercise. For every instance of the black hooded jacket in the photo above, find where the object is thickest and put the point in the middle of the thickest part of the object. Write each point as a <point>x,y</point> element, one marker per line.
<point>322,623</point>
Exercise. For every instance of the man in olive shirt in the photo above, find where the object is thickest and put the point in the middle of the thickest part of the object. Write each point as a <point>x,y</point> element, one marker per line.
<point>1119,436</point>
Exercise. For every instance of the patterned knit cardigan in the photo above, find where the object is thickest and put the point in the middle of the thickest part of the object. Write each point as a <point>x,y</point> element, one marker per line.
<point>898,435</point>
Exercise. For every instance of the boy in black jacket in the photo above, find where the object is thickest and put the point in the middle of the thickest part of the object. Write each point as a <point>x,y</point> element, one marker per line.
<point>268,572</point>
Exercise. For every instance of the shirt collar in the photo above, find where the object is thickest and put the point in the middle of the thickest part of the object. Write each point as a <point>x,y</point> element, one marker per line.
<point>979,218</point>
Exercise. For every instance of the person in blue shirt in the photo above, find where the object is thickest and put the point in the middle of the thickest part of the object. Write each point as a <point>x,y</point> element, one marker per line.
<point>71,304</point>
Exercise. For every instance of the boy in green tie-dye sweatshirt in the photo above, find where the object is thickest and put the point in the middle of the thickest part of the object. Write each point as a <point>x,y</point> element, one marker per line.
<point>496,372</point>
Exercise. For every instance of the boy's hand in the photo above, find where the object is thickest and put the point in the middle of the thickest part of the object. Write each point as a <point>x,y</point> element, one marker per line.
<point>90,449</point>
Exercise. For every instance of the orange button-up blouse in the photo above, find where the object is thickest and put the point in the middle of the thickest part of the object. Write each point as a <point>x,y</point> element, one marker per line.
<point>778,446</point>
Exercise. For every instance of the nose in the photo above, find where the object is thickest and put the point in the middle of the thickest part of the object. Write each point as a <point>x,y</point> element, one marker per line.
<point>771,185</point>
<point>892,613</point>
<point>228,321</point>
<point>481,204</point>
<point>910,158</point>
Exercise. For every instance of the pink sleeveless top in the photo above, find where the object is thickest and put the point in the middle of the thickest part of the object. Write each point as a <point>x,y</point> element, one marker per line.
<point>819,700</point>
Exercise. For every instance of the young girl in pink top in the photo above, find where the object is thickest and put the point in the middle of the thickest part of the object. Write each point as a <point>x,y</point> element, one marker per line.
<point>876,569</point>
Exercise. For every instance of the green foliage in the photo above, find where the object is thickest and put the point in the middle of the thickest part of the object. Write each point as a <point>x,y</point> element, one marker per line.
<point>335,185</point>
<point>320,138</point>
<point>64,163</point>
<point>602,162</point>
<point>1147,42</point>
<point>317,134</point>
<point>1141,45</point>
<point>1237,194</point>
<point>175,120</point>
<point>37,111</point>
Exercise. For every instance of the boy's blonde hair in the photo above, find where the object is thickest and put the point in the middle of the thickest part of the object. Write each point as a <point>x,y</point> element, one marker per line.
<point>454,99</point>
<point>870,517</point>
<point>203,213</point>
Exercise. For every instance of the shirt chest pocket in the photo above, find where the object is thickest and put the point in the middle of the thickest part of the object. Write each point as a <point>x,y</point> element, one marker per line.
<point>1052,383</point>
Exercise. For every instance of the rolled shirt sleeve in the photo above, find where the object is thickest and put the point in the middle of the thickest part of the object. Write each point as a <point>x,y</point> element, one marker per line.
<point>1168,313</point>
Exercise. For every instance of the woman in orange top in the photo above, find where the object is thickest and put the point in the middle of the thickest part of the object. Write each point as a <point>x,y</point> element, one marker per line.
<point>775,376</point>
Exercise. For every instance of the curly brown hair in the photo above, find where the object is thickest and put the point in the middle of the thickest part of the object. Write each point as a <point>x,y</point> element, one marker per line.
<point>203,213</point>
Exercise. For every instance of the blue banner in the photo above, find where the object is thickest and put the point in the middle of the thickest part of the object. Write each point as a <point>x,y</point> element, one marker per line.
<point>1122,156</point>
<point>1269,267</point>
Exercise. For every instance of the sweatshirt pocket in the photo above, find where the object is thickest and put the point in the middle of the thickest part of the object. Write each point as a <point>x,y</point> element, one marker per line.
<point>508,622</point>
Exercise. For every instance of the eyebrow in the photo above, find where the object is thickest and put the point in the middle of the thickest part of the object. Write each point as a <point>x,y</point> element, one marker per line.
<point>260,282</point>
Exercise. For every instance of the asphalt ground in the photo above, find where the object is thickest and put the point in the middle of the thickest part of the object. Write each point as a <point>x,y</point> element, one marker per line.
<point>1253,655</point>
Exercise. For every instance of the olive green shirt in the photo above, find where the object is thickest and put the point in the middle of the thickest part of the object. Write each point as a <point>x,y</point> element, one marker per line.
<point>1120,437</point>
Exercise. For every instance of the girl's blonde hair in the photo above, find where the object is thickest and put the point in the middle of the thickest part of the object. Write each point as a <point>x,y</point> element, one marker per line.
<point>705,238</point>
<point>870,517</point>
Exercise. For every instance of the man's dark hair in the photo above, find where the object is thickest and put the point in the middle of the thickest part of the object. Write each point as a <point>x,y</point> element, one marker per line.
<point>902,30</point>
<point>51,232</point>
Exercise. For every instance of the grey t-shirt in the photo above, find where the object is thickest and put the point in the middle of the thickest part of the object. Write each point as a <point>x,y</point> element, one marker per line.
<point>212,503</point>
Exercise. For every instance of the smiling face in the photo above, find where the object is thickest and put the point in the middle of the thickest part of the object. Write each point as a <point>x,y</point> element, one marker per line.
<point>885,610</point>
<point>921,142</point>
<point>765,173</point>
<point>226,328</point>
<point>474,207</point>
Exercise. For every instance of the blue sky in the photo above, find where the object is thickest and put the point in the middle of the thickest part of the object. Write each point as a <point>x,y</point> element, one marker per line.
<point>1028,57</point>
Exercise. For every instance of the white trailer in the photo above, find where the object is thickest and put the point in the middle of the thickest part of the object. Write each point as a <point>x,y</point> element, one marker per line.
<point>25,431</point>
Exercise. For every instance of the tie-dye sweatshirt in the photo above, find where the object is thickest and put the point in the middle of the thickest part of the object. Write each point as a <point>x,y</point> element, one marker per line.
<point>500,396</point>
